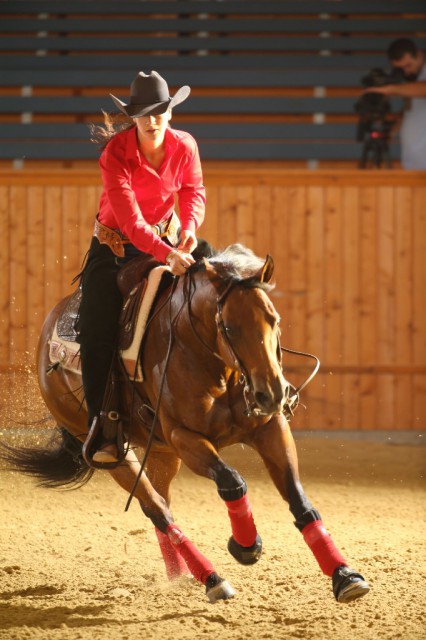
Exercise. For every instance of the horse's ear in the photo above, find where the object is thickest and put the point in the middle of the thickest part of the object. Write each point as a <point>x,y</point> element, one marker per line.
<point>267,269</point>
<point>205,265</point>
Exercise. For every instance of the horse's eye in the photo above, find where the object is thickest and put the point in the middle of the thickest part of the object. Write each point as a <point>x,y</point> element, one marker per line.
<point>232,332</point>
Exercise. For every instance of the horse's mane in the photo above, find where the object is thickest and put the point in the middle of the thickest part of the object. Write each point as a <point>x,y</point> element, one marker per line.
<point>239,263</point>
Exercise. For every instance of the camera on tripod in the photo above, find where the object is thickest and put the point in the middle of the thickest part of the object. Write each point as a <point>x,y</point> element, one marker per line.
<point>375,118</point>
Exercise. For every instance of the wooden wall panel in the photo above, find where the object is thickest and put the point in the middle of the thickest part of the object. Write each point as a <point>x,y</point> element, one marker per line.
<point>349,250</point>
<point>5,267</point>
<point>263,230</point>
<point>35,262</point>
<point>211,228</point>
<point>88,199</point>
<point>404,299</point>
<point>332,267</point>
<point>385,304</point>
<point>70,237</point>
<point>351,302</point>
<point>368,309</point>
<point>419,280</point>
<point>53,256</point>
<point>313,395</point>
<point>18,273</point>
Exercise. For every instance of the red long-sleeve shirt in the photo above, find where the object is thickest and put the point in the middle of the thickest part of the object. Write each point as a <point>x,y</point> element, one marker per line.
<point>136,196</point>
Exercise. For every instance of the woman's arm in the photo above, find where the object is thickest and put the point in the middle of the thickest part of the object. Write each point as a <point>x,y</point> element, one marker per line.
<point>191,195</point>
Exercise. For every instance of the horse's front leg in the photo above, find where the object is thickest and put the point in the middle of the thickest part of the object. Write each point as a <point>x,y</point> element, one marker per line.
<point>201,457</point>
<point>275,444</point>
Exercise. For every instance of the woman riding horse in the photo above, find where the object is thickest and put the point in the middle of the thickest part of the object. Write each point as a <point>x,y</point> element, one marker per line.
<point>211,349</point>
<point>143,166</point>
<point>215,377</point>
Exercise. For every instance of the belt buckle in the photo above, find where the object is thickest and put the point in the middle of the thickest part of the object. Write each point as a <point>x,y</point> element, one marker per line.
<point>173,227</point>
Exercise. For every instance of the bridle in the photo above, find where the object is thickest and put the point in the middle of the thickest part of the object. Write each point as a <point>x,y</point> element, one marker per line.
<point>252,409</point>
<point>221,327</point>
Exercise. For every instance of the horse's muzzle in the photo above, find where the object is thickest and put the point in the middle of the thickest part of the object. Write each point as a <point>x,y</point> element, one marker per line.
<point>272,397</point>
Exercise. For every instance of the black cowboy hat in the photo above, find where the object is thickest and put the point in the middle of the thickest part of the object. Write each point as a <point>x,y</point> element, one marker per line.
<point>149,96</point>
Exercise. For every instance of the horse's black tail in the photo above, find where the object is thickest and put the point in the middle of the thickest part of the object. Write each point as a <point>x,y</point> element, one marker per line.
<point>57,464</point>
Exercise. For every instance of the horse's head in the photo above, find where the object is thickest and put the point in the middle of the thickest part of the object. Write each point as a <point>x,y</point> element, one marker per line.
<point>248,334</point>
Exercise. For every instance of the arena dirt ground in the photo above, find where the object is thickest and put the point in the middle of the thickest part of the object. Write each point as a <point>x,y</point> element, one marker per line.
<point>74,565</point>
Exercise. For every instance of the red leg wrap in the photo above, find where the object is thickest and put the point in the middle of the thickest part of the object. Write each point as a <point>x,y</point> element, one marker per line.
<point>322,546</point>
<point>242,523</point>
<point>198,565</point>
<point>175,564</point>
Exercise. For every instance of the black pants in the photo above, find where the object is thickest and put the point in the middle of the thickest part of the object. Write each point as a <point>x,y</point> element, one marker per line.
<point>99,313</point>
<point>98,322</point>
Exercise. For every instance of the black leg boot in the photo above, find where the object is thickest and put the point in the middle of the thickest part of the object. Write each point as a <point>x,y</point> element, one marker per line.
<point>104,443</point>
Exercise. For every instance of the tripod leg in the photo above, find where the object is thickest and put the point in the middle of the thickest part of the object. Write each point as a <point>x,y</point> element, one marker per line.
<point>363,161</point>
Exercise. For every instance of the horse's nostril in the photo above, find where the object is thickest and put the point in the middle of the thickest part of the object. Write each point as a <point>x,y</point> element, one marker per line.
<point>261,398</point>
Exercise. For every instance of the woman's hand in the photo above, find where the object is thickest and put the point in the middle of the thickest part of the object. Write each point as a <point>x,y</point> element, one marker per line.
<point>179,261</point>
<point>188,241</point>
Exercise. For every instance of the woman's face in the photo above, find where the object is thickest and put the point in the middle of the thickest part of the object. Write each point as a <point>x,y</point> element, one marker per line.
<point>153,128</point>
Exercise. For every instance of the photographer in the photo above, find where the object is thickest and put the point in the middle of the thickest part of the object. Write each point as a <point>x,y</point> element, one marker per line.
<point>406,57</point>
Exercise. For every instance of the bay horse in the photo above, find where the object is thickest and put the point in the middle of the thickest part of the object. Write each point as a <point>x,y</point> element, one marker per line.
<point>213,358</point>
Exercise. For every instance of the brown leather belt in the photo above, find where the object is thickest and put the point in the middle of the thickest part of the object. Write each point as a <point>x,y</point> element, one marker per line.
<point>168,229</point>
<point>115,240</point>
<point>112,238</point>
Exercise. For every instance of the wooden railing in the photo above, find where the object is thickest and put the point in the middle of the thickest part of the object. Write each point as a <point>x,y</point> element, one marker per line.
<point>349,250</point>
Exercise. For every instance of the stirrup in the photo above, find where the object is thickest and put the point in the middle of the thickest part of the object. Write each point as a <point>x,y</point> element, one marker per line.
<point>95,432</point>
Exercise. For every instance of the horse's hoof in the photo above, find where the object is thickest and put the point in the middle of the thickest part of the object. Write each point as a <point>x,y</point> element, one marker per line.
<point>218,589</point>
<point>348,585</point>
<point>245,555</point>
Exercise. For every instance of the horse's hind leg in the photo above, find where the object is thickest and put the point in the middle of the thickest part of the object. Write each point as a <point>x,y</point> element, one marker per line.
<point>156,509</point>
<point>275,444</point>
<point>162,468</point>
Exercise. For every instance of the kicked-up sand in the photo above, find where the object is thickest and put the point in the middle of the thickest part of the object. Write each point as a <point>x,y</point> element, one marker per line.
<point>74,565</point>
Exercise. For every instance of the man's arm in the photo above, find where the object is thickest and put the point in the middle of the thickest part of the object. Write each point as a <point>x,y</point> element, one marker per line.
<point>406,90</point>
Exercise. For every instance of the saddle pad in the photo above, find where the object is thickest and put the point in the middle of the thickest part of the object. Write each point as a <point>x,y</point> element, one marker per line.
<point>130,355</point>
<point>67,353</point>
<point>66,324</point>
<point>64,352</point>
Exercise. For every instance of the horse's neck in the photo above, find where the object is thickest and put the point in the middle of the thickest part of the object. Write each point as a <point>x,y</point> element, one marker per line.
<point>198,324</point>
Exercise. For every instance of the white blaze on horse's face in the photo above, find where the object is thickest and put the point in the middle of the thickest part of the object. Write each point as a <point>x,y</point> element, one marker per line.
<point>251,324</point>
